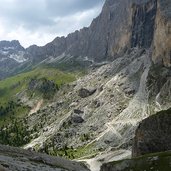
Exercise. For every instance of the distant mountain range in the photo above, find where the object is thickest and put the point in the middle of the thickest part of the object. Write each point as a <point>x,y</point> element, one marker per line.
<point>120,26</point>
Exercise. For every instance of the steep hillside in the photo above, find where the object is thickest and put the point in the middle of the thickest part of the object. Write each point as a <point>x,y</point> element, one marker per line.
<point>96,116</point>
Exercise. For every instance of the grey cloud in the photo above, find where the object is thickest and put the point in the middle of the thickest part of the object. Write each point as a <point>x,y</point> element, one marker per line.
<point>68,7</point>
<point>38,13</point>
<point>38,21</point>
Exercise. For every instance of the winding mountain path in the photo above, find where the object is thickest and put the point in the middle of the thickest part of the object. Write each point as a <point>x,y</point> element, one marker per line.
<point>36,107</point>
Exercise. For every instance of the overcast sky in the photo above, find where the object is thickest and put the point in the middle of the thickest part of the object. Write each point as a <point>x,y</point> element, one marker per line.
<point>40,21</point>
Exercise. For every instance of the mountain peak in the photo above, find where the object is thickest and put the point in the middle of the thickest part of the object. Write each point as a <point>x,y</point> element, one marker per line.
<point>13,43</point>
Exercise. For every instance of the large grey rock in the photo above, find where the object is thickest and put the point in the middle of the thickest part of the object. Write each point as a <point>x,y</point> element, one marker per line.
<point>18,159</point>
<point>77,119</point>
<point>83,92</point>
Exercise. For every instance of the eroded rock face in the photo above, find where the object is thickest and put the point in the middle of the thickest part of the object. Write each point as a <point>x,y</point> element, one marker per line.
<point>153,134</point>
<point>162,36</point>
<point>143,23</point>
<point>83,92</point>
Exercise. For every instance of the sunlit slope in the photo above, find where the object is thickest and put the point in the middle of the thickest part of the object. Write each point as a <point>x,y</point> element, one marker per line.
<point>41,83</point>
<point>13,85</point>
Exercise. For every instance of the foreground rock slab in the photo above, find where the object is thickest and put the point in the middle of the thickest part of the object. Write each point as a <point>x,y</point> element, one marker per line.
<point>15,159</point>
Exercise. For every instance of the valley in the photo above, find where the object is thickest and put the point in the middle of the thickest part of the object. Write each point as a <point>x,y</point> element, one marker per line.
<point>83,97</point>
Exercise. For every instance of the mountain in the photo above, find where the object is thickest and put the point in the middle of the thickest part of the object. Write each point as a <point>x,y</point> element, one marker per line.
<point>153,162</point>
<point>121,25</point>
<point>12,56</point>
<point>150,136</point>
<point>12,50</point>
<point>93,117</point>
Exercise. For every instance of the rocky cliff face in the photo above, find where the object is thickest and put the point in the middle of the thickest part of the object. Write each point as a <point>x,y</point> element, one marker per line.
<point>116,29</point>
<point>121,25</point>
<point>153,134</point>
<point>107,35</point>
<point>100,111</point>
<point>143,22</point>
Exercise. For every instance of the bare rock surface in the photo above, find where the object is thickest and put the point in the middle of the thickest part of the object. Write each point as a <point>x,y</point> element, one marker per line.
<point>153,134</point>
<point>15,159</point>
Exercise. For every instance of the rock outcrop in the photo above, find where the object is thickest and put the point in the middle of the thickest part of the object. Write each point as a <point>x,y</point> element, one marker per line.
<point>17,159</point>
<point>83,92</point>
<point>151,147</point>
<point>153,134</point>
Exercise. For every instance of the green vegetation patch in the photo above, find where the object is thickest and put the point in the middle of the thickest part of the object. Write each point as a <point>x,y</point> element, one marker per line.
<point>15,134</point>
<point>71,153</point>
<point>13,85</point>
<point>151,162</point>
<point>38,83</point>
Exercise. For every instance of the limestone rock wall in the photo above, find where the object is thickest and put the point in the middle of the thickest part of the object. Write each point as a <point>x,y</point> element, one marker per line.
<point>162,35</point>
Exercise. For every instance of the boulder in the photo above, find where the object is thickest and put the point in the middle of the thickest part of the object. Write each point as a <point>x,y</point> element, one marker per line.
<point>153,134</point>
<point>77,119</point>
<point>77,111</point>
<point>83,92</point>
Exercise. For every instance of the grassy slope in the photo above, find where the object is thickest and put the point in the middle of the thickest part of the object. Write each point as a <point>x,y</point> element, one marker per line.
<point>16,84</point>
<point>13,127</point>
<point>150,162</point>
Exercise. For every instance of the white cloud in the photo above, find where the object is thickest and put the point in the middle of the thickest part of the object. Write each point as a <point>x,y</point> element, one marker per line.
<point>32,22</point>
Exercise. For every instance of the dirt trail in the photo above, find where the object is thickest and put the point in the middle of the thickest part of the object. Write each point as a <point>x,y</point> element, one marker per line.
<point>37,107</point>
